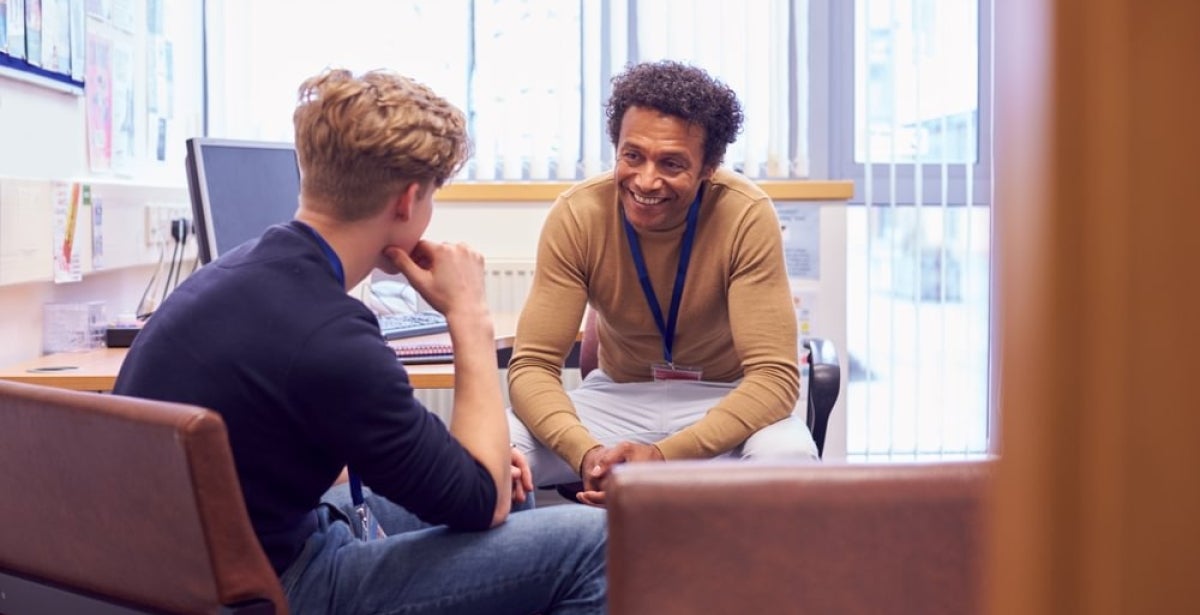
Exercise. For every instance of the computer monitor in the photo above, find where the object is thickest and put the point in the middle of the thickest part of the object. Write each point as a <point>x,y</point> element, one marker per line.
<point>238,189</point>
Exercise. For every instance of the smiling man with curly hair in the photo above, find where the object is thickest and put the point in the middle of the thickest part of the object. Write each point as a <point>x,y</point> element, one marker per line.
<point>682,262</point>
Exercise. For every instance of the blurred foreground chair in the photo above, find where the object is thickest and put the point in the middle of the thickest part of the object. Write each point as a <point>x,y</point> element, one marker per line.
<point>746,537</point>
<point>120,505</point>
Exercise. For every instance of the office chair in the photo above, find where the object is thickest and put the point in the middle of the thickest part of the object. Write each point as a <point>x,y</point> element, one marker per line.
<point>121,505</point>
<point>824,385</point>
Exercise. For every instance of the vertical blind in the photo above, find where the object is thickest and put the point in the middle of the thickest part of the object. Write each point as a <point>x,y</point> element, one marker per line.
<point>532,75</point>
<point>919,247</point>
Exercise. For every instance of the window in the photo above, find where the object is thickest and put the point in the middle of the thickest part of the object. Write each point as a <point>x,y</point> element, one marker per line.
<point>894,94</point>
<point>912,128</point>
<point>532,75</point>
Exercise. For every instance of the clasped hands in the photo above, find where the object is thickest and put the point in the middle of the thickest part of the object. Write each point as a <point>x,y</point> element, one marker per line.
<point>599,461</point>
<point>522,478</point>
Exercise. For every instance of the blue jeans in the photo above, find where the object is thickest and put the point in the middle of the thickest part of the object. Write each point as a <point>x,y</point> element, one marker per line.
<point>549,560</point>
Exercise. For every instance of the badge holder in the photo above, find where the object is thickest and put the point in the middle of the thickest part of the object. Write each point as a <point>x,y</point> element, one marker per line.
<point>670,371</point>
<point>365,526</point>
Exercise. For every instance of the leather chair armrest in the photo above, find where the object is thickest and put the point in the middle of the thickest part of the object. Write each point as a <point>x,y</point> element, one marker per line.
<point>824,386</point>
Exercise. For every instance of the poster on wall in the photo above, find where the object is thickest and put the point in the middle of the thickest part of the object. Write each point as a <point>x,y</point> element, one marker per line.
<point>98,93</point>
<point>68,263</point>
<point>97,207</point>
<point>78,40</point>
<point>3,26</point>
<point>16,28</point>
<point>801,228</point>
<point>160,86</point>
<point>99,9</point>
<point>122,107</point>
<point>33,32</point>
<point>159,94</point>
<point>56,36</point>
<point>122,14</point>
<point>804,302</point>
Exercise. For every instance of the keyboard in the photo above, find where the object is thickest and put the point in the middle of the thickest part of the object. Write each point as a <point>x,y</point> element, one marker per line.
<point>398,326</point>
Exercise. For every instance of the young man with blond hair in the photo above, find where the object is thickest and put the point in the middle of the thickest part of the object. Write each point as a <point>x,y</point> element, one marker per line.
<point>268,337</point>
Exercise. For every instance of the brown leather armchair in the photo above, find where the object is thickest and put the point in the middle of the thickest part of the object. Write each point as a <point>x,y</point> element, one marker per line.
<point>743,537</point>
<point>120,505</point>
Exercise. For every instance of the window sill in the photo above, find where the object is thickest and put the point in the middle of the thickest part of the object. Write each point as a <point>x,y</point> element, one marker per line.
<point>522,191</point>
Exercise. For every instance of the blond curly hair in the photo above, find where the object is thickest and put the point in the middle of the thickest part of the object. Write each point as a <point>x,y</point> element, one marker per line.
<point>359,140</point>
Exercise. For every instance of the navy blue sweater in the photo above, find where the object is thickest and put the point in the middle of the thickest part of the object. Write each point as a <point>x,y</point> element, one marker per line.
<point>267,337</point>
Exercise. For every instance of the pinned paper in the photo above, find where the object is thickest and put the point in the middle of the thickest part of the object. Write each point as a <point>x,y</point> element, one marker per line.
<point>68,265</point>
<point>800,225</point>
<point>805,303</point>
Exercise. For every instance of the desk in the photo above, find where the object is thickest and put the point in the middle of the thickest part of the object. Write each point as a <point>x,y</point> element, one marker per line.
<point>96,370</point>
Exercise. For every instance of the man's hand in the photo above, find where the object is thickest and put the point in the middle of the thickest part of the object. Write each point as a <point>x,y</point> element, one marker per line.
<point>448,276</point>
<point>522,478</point>
<point>599,462</point>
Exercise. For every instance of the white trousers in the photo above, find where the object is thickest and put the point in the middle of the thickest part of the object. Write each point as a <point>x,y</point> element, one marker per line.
<point>647,412</point>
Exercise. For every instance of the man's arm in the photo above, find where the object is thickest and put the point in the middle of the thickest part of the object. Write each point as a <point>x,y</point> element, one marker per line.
<point>450,278</point>
<point>547,329</point>
<point>478,419</point>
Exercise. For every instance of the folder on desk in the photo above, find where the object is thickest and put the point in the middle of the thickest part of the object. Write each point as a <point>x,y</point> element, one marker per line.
<point>416,353</point>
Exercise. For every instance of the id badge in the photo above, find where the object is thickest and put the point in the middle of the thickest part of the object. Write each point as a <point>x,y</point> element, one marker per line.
<point>671,371</point>
<point>368,526</point>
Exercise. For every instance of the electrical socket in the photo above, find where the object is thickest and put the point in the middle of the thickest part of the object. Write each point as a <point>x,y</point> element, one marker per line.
<point>158,222</point>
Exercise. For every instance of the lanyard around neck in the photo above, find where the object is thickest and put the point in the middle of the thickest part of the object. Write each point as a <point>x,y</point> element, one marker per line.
<point>667,328</point>
<point>327,250</point>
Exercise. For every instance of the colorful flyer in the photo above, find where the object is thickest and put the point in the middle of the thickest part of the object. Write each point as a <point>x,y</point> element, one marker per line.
<point>98,92</point>
<point>68,266</point>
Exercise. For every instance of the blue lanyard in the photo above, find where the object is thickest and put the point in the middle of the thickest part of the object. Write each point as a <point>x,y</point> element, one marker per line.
<point>666,329</point>
<point>330,255</point>
<point>356,494</point>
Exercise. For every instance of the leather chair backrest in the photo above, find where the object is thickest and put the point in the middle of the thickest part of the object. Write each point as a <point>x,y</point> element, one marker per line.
<point>125,500</point>
<point>745,537</point>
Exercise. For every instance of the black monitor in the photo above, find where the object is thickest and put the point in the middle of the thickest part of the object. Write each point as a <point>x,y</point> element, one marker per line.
<point>238,189</point>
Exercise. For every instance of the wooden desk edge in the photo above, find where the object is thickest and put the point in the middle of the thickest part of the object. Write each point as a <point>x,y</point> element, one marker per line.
<point>77,382</point>
<point>97,371</point>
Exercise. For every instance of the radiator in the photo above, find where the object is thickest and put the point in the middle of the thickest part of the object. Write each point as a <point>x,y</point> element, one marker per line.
<point>507,284</point>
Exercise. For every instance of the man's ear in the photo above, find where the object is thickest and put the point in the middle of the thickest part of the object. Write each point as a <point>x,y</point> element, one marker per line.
<point>403,204</point>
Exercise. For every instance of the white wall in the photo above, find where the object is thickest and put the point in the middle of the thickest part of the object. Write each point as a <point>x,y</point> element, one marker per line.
<point>43,138</point>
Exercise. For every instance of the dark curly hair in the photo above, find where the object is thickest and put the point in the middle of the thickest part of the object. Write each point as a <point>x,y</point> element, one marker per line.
<point>683,91</point>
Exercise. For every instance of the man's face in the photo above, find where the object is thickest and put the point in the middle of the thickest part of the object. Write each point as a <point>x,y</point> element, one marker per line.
<point>659,168</point>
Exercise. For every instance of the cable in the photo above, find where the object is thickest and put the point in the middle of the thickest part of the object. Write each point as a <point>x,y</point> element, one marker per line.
<point>179,230</point>
<point>186,233</point>
<point>179,236</point>
<point>143,311</point>
<point>166,289</point>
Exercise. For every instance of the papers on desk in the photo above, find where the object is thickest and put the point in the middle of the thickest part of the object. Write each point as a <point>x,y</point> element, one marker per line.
<point>414,353</point>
